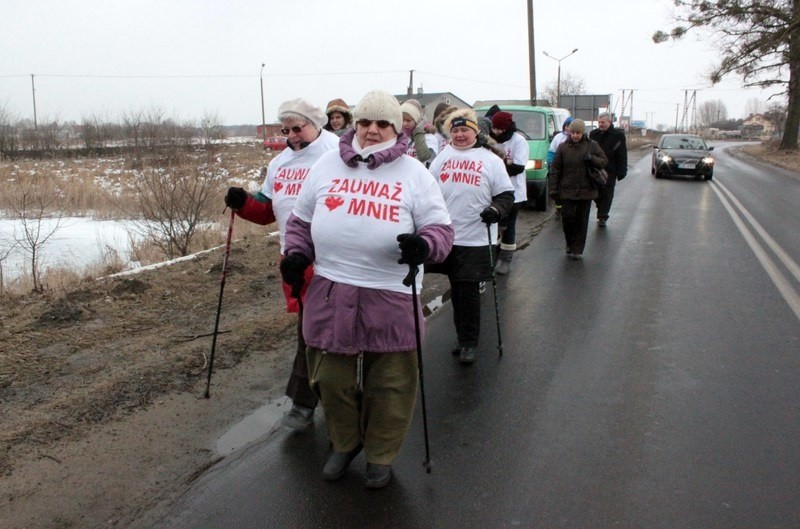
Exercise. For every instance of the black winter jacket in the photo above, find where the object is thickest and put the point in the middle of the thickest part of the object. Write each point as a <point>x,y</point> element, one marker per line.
<point>568,178</point>
<point>612,141</point>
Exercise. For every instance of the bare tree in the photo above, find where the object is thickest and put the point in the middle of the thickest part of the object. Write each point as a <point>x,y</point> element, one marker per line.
<point>174,203</point>
<point>571,84</point>
<point>8,132</point>
<point>32,201</point>
<point>754,106</point>
<point>211,127</point>
<point>132,124</point>
<point>711,112</point>
<point>776,113</point>
<point>758,40</point>
<point>6,247</point>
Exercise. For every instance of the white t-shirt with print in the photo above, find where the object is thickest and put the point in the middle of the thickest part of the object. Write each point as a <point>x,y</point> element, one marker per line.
<point>516,149</point>
<point>469,179</point>
<point>356,215</point>
<point>286,174</point>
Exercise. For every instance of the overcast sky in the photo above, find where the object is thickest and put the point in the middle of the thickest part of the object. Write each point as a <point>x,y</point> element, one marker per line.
<point>193,57</point>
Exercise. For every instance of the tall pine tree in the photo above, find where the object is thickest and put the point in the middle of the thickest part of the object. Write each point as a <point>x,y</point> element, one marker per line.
<point>759,40</point>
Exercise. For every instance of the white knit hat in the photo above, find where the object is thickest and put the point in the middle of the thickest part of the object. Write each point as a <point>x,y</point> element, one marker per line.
<point>303,108</point>
<point>380,105</point>
<point>411,109</point>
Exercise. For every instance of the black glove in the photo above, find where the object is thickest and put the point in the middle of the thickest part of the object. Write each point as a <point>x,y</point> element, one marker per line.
<point>236,197</point>
<point>293,268</point>
<point>490,215</point>
<point>413,249</point>
<point>587,157</point>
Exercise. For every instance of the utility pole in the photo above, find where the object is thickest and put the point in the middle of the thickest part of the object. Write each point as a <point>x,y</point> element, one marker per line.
<point>411,83</point>
<point>531,54</point>
<point>625,105</point>
<point>677,110</point>
<point>263,118</point>
<point>688,102</point>
<point>558,81</point>
<point>33,91</point>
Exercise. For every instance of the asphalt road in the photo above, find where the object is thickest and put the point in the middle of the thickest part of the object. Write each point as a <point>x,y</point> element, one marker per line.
<point>652,385</point>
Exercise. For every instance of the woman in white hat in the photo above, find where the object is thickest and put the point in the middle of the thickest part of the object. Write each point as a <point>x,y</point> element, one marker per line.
<point>365,213</point>
<point>302,124</point>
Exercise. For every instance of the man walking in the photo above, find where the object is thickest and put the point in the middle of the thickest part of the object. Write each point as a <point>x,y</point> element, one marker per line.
<point>612,141</point>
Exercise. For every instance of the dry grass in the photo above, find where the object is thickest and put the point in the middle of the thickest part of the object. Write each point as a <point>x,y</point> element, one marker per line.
<point>769,152</point>
<point>103,188</point>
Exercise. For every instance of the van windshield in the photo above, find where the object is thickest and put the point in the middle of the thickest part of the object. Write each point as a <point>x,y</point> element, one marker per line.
<point>531,123</point>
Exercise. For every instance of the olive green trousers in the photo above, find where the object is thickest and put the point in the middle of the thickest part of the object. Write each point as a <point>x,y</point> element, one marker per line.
<point>367,399</point>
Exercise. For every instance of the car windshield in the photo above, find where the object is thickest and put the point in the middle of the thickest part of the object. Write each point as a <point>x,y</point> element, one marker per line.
<point>531,123</point>
<point>683,142</point>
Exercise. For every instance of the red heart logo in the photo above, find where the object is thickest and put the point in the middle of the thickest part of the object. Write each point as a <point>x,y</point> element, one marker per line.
<point>334,202</point>
<point>444,177</point>
<point>277,187</point>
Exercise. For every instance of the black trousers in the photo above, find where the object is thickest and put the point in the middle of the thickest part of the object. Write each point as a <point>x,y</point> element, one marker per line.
<point>466,299</point>
<point>575,221</point>
<point>603,201</point>
<point>298,388</point>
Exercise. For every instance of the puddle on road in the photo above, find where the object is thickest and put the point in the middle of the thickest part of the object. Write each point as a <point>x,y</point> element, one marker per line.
<point>253,426</point>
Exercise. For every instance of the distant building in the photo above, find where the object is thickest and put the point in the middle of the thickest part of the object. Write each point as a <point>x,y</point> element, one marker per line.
<point>758,125</point>
<point>430,101</point>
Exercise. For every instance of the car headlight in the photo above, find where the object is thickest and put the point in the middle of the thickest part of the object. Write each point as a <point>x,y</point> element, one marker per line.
<point>665,157</point>
<point>708,160</point>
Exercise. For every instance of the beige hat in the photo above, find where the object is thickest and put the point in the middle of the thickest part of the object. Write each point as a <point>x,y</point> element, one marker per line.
<point>303,108</point>
<point>380,105</point>
<point>412,110</point>
<point>577,125</point>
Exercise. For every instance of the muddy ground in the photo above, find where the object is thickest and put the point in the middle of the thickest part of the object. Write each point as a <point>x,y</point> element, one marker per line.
<point>101,388</point>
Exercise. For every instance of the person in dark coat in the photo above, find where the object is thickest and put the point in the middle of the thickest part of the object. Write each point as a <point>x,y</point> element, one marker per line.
<point>570,186</point>
<point>612,141</point>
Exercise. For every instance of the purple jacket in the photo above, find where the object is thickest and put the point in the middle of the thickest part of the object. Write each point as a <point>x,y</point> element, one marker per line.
<point>346,319</point>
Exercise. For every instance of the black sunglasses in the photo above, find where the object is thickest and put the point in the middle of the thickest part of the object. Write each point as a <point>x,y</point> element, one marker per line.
<point>381,123</point>
<point>296,129</point>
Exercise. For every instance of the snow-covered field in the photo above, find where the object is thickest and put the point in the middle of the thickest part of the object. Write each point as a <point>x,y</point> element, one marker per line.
<point>77,243</point>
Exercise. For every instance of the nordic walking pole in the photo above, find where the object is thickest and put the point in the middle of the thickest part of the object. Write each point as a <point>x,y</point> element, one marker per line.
<point>219,304</point>
<point>411,280</point>
<point>494,289</point>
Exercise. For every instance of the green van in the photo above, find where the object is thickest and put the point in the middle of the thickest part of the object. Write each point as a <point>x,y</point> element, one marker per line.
<point>539,125</point>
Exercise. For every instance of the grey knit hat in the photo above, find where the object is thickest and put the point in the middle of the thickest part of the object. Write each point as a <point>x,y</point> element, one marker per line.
<point>303,108</point>
<point>380,105</point>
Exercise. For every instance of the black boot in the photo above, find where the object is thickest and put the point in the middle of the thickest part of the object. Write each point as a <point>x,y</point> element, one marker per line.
<point>378,476</point>
<point>338,462</point>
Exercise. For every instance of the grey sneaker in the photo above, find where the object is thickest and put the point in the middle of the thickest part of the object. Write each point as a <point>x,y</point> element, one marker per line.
<point>467,355</point>
<point>298,418</point>
<point>503,267</point>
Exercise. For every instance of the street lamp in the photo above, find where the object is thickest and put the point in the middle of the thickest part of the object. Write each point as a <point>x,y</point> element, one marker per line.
<point>263,119</point>
<point>558,82</point>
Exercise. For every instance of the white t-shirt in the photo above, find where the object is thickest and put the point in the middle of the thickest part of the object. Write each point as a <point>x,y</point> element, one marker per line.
<point>286,174</point>
<point>441,141</point>
<point>432,143</point>
<point>469,179</point>
<point>356,215</point>
<point>516,149</point>
<point>559,138</point>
